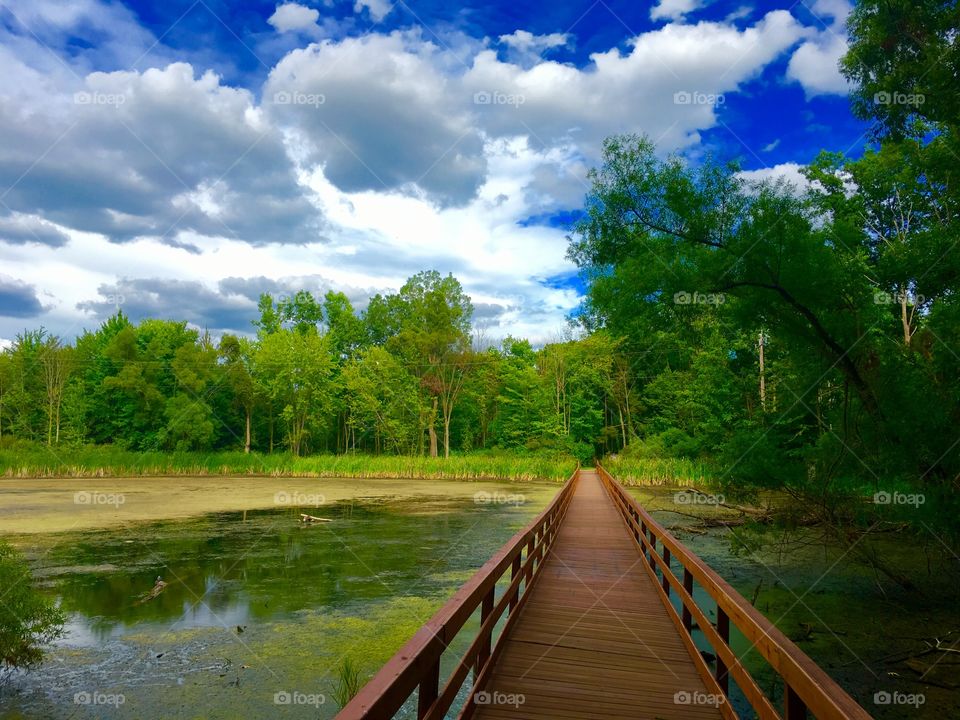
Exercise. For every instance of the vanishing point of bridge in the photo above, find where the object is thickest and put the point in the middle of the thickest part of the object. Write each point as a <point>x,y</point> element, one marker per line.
<point>603,614</point>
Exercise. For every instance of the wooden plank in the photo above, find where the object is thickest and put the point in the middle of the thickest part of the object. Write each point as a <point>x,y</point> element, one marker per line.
<point>593,640</point>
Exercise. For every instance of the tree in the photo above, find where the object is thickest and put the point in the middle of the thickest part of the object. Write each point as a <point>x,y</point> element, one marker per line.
<point>28,619</point>
<point>434,333</point>
<point>57,363</point>
<point>237,356</point>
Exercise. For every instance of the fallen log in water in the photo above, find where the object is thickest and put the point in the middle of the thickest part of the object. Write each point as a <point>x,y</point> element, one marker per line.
<point>304,518</point>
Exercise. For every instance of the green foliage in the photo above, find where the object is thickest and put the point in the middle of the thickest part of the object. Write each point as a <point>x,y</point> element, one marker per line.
<point>28,619</point>
<point>349,681</point>
<point>25,459</point>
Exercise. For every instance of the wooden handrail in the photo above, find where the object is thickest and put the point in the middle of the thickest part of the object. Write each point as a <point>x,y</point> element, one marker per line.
<point>808,687</point>
<point>417,663</point>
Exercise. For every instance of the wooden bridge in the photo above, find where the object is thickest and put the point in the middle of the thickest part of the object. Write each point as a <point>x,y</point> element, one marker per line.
<point>603,614</point>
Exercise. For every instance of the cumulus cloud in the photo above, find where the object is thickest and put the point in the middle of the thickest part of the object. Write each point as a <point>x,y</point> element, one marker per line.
<point>291,16</point>
<point>381,113</point>
<point>131,154</point>
<point>789,172</point>
<point>525,48</point>
<point>360,161</point>
<point>816,63</point>
<point>18,299</point>
<point>675,9</point>
<point>378,9</point>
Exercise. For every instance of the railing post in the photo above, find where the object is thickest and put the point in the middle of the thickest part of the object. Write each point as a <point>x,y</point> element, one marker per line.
<point>793,707</point>
<point>483,653</point>
<point>514,571</point>
<point>723,629</point>
<point>666,567</point>
<point>688,586</point>
<point>530,546</point>
<point>429,690</point>
<point>653,551</point>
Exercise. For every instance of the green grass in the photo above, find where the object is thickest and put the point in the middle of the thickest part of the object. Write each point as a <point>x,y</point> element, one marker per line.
<point>631,470</point>
<point>31,460</point>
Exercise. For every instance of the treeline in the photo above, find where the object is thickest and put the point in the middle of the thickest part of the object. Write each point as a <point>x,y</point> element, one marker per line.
<point>406,376</point>
<point>836,303</point>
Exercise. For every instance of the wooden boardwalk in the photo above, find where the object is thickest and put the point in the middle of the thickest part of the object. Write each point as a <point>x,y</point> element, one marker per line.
<point>594,610</point>
<point>593,640</point>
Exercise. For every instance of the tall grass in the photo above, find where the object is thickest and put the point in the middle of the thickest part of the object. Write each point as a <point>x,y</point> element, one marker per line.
<point>632,470</point>
<point>32,460</point>
<point>349,682</point>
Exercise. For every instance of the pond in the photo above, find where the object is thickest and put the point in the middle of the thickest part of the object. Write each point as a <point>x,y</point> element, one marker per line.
<point>259,613</point>
<point>257,610</point>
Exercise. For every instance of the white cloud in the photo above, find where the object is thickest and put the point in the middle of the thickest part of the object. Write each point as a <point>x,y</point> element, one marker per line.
<point>675,9</point>
<point>292,16</point>
<point>365,160</point>
<point>789,172</point>
<point>815,64</point>
<point>770,147</point>
<point>378,9</point>
<point>526,48</point>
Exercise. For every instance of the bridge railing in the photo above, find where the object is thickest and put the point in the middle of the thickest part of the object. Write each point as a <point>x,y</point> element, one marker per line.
<point>416,666</point>
<point>807,687</point>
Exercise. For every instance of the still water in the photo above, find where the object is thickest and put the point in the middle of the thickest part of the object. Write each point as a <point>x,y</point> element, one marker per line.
<point>259,612</point>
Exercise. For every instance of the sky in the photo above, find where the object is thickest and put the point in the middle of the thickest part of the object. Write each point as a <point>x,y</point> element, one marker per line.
<point>176,159</point>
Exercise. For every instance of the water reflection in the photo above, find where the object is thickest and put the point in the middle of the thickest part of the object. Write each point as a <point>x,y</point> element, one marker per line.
<point>234,569</point>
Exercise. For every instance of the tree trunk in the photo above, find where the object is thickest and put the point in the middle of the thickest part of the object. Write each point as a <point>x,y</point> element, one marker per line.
<point>432,430</point>
<point>763,378</point>
<point>246,442</point>
<point>905,318</point>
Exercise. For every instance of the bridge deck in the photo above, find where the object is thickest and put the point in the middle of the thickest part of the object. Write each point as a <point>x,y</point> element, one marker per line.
<point>594,639</point>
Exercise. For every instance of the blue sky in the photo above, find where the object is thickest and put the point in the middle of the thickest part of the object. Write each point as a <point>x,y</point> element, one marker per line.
<point>176,159</point>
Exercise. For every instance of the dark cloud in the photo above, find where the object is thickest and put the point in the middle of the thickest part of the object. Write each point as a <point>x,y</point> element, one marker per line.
<point>155,154</point>
<point>173,300</point>
<point>18,300</point>
<point>23,229</point>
